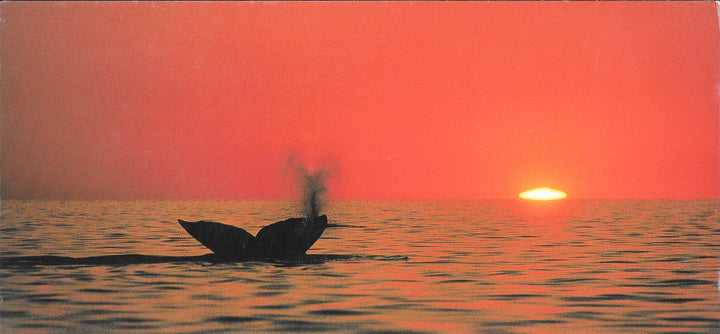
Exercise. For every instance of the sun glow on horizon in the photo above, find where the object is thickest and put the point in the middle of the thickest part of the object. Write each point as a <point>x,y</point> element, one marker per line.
<point>542,194</point>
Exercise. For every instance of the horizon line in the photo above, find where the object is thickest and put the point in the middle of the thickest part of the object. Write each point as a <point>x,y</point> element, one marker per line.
<point>50,199</point>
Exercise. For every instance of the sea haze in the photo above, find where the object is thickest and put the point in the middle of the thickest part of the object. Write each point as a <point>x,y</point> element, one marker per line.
<point>412,266</point>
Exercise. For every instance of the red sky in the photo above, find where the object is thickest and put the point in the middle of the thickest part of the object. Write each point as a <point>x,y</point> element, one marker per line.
<point>458,100</point>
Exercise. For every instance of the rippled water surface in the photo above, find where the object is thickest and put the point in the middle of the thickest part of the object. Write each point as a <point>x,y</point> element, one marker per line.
<point>409,266</point>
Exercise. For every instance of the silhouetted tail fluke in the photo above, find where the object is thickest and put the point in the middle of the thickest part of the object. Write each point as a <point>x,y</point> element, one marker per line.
<point>286,239</point>
<point>224,240</point>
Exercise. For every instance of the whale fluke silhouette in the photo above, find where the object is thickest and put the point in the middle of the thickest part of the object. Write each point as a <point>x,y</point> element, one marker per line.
<point>285,239</point>
<point>224,240</point>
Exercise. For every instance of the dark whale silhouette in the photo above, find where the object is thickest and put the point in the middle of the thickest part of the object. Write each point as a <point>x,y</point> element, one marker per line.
<point>285,239</point>
<point>130,259</point>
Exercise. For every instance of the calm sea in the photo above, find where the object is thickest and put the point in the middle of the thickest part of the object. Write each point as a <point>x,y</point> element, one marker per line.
<point>396,266</point>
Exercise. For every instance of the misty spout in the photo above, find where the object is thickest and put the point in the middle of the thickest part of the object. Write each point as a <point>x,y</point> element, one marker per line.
<point>314,192</point>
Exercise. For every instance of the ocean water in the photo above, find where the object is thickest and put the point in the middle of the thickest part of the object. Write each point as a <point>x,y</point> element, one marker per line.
<point>511,266</point>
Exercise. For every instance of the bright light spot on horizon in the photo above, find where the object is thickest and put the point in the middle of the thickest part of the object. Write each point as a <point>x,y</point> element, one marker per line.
<point>543,194</point>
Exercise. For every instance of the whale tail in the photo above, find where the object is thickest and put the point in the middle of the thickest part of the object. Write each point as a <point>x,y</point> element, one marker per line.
<point>224,240</point>
<point>285,239</point>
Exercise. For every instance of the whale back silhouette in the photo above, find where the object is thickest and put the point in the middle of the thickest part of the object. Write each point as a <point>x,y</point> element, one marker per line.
<point>289,238</point>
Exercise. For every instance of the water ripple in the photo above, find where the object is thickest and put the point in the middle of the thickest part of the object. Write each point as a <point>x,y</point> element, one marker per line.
<point>397,267</point>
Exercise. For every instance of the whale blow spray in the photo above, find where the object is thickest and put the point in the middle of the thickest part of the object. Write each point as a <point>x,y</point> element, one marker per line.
<point>314,191</point>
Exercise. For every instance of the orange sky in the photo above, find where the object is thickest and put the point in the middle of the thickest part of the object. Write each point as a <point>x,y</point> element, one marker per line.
<point>400,100</point>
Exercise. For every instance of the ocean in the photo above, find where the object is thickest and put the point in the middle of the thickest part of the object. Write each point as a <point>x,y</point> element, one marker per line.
<point>506,266</point>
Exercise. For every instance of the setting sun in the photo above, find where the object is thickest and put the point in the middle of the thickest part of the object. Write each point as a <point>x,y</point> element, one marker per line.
<point>543,194</point>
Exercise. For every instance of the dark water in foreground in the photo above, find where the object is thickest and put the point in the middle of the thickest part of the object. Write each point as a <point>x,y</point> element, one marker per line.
<point>409,266</point>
